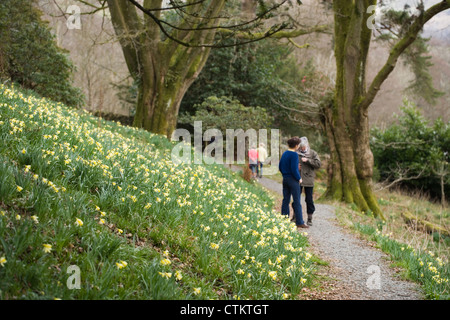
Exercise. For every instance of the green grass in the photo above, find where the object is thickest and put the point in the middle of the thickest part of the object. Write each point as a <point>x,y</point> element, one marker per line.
<point>79,191</point>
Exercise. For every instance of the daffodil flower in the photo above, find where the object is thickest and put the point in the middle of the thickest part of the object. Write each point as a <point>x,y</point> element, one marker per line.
<point>79,222</point>
<point>2,261</point>
<point>121,264</point>
<point>165,274</point>
<point>197,291</point>
<point>165,262</point>
<point>47,247</point>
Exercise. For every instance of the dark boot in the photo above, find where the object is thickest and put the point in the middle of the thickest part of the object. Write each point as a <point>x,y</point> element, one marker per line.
<point>309,222</point>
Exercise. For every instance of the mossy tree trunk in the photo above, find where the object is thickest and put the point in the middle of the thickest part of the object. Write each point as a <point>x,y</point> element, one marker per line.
<point>346,117</point>
<point>162,86</point>
<point>163,68</point>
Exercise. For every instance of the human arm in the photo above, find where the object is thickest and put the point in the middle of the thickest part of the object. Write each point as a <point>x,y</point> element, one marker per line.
<point>313,160</point>
<point>294,167</point>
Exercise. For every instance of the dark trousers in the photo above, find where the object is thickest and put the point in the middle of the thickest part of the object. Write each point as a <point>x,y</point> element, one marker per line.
<point>259,169</point>
<point>310,208</point>
<point>291,187</point>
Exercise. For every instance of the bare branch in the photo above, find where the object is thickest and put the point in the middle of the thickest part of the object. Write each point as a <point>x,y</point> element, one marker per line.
<point>402,176</point>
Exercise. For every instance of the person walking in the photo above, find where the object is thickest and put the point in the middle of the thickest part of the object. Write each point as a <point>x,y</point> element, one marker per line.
<point>309,162</point>
<point>262,156</point>
<point>289,168</point>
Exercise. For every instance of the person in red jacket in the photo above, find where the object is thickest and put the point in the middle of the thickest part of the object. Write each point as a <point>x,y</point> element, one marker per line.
<point>253,160</point>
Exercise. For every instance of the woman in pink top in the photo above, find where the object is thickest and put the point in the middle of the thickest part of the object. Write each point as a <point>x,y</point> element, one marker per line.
<point>253,160</point>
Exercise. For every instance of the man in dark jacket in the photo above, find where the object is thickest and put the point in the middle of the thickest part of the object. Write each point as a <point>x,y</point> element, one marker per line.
<point>308,162</point>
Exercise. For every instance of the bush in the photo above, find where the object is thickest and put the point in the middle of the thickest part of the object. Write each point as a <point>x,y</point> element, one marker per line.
<point>227,113</point>
<point>415,151</point>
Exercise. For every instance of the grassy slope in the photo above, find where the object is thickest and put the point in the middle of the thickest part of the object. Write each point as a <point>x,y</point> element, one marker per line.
<point>76,190</point>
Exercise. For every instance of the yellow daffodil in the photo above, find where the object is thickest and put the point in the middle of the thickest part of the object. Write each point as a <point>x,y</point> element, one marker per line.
<point>273,275</point>
<point>121,264</point>
<point>165,274</point>
<point>47,247</point>
<point>2,261</point>
<point>79,222</point>
<point>197,291</point>
<point>165,262</point>
<point>19,188</point>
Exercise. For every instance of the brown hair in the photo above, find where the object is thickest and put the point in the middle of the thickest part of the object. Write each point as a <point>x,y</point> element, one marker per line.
<point>293,142</point>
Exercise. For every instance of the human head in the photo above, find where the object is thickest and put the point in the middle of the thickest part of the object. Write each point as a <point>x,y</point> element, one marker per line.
<point>293,142</point>
<point>304,140</point>
<point>303,146</point>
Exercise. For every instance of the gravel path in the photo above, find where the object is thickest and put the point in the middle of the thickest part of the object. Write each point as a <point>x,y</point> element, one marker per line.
<point>356,270</point>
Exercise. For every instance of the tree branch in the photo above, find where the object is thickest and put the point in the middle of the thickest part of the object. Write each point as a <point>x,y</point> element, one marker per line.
<point>409,37</point>
<point>126,25</point>
<point>403,176</point>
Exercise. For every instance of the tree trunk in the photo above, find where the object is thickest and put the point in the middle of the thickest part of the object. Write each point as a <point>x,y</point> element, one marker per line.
<point>162,87</point>
<point>346,119</point>
<point>350,168</point>
<point>163,68</point>
<point>346,123</point>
